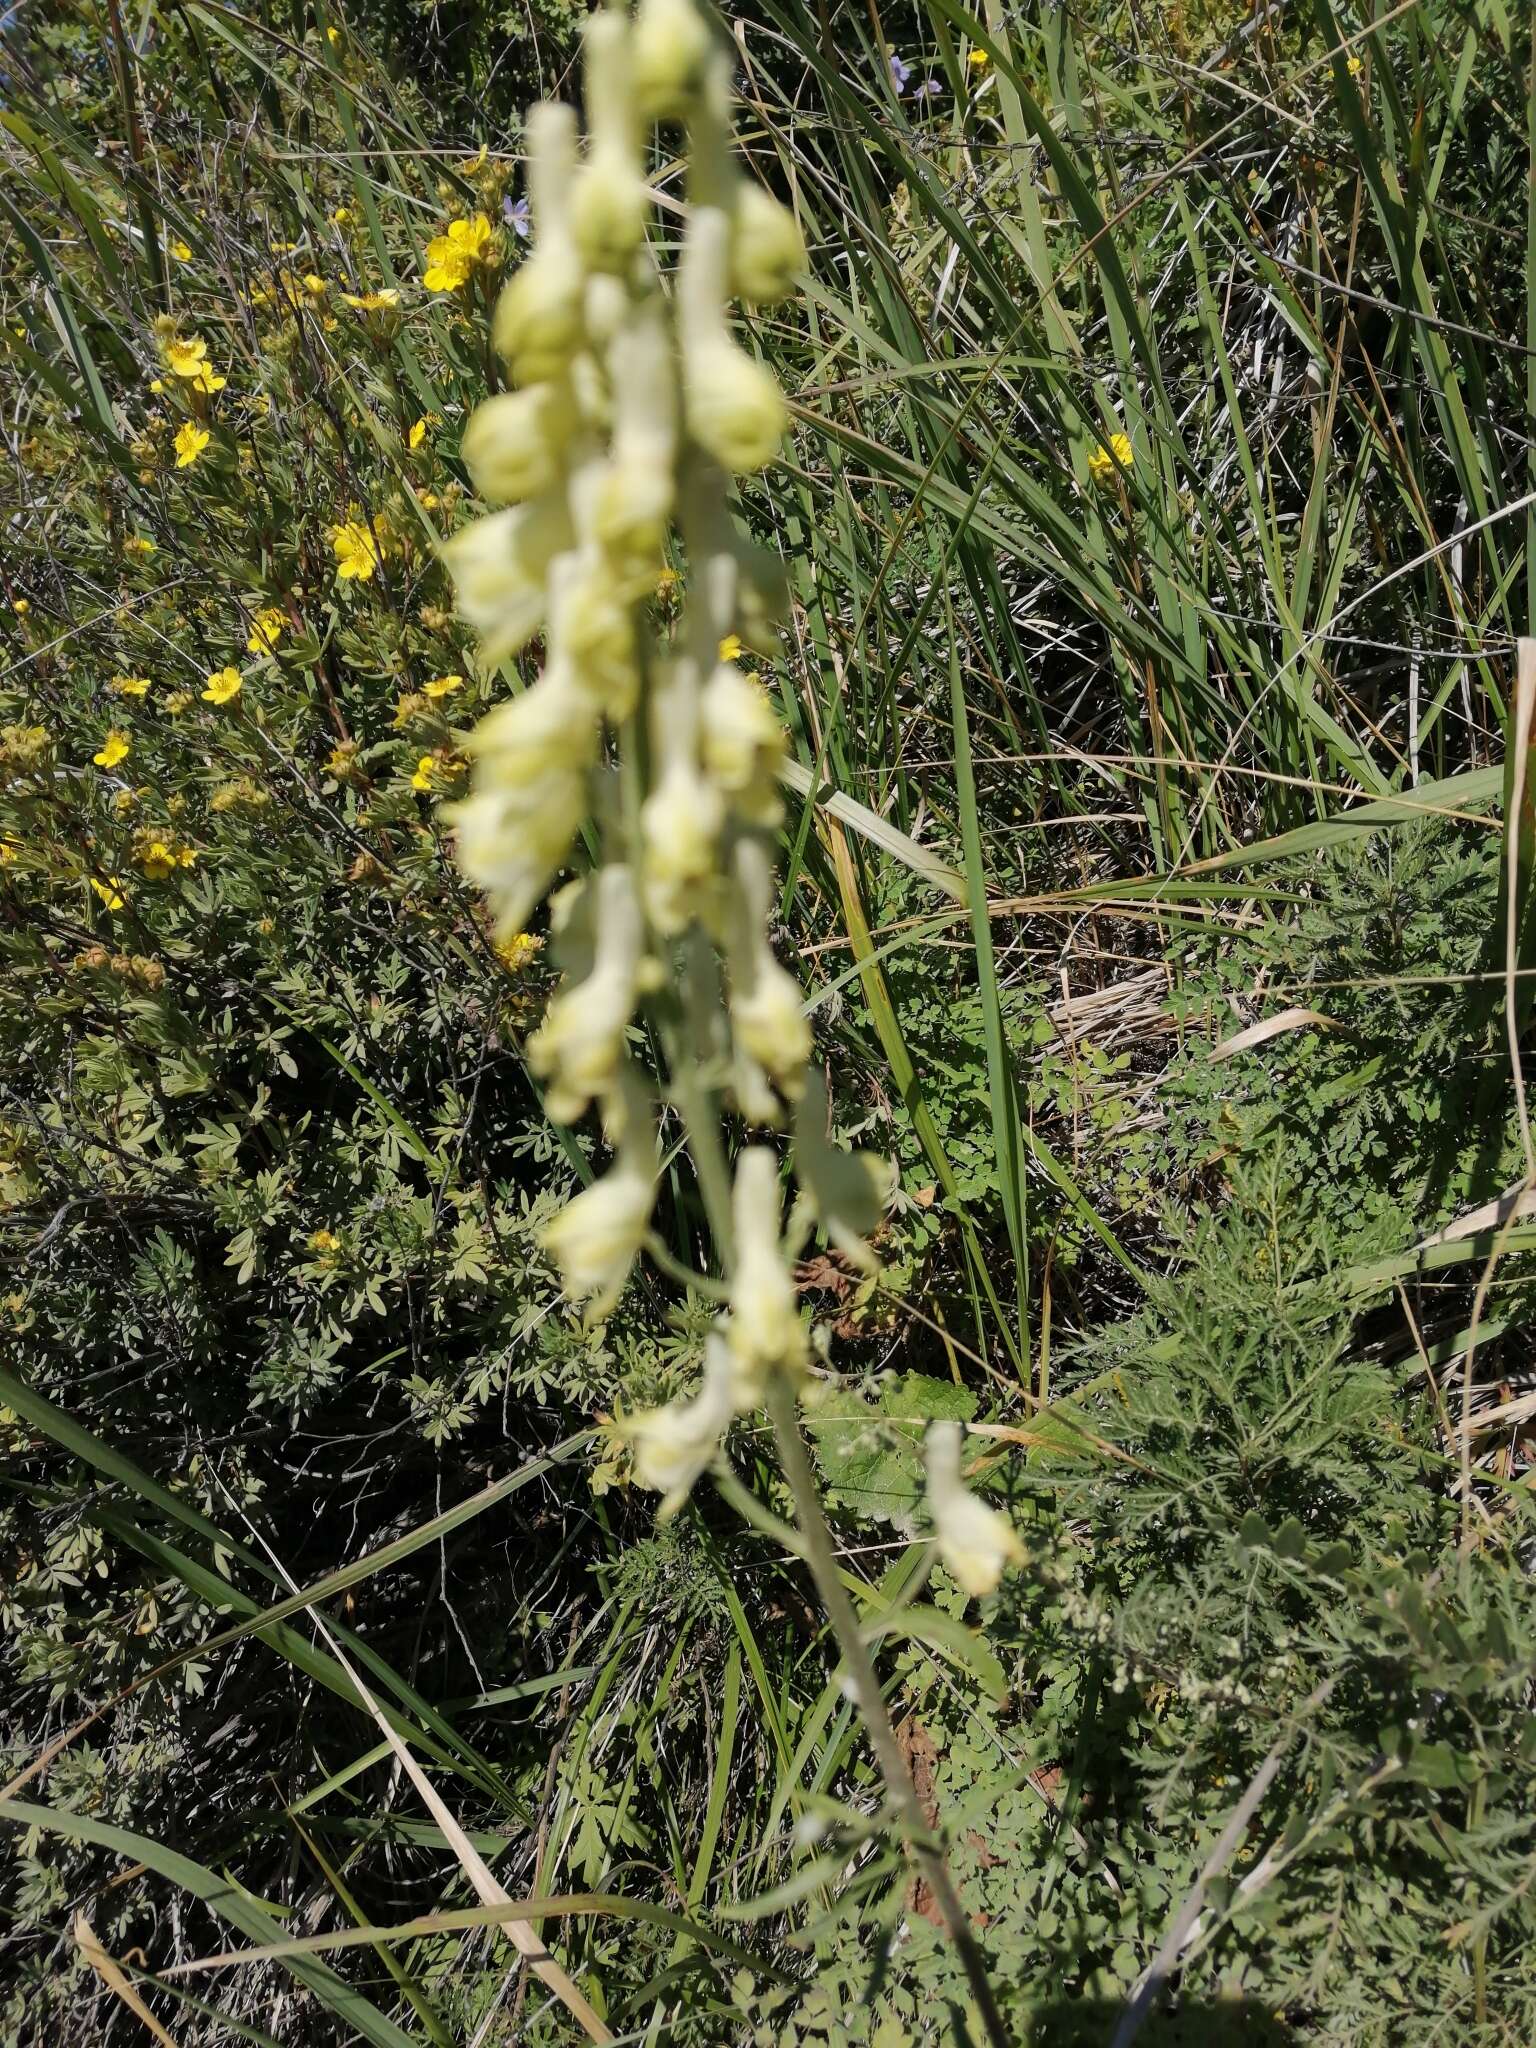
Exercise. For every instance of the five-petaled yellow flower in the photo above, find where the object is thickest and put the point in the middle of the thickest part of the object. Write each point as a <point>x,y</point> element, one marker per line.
<point>418,432</point>
<point>114,748</point>
<point>1354,66</point>
<point>422,779</point>
<point>208,380</point>
<point>181,252</point>
<point>1110,456</point>
<point>158,860</point>
<point>359,548</point>
<point>224,685</point>
<point>191,440</point>
<point>442,686</point>
<point>110,891</point>
<point>266,629</point>
<point>138,544</point>
<point>452,257</point>
<point>324,1243</point>
<point>130,686</point>
<point>185,358</point>
<point>378,301</point>
<point>730,647</point>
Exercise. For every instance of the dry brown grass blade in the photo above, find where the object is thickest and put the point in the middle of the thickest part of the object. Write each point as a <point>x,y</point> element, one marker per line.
<point>1512,1206</point>
<point>110,1975</point>
<point>487,1890</point>
<point>1293,1019</point>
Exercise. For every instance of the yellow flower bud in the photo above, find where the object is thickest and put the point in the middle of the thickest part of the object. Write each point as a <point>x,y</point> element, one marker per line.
<point>765,1332</point>
<point>538,325</point>
<point>529,795</point>
<point>767,248</point>
<point>594,630</point>
<point>768,1019</point>
<point>596,1238</point>
<point>736,411</point>
<point>975,1541</point>
<point>514,442</point>
<point>668,50</point>
<point>581,1041</point>
<point>743,744</point>
<point>499,566</point>
<point>672,1446</point>
<point>679,827</point>
<point>609,209</point>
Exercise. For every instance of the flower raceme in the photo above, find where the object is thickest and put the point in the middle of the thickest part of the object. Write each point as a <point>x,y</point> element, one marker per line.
<point>630,409</point>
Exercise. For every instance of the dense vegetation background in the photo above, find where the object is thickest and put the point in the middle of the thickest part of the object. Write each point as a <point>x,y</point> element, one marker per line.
<point>1159,519</point>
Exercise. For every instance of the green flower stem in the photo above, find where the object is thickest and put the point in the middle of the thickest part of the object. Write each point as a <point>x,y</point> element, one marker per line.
<point>816,1538</point>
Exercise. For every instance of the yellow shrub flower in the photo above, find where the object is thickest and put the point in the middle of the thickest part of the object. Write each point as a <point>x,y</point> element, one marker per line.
<point>266,629</point>
<point>191,440</point>
<point>208,381</point>
<point>442,686</point>
<point>224,685</point>
<point>359,547</point>
<point>1354,66</point>
<point>114,748</point>
<point>418,432</point>
<point>21,606</point>
<point>158,859</point>
<point>422,779</point>
<point>130,686</point>
<point>452,257</point>
<point>185,357</point>
<point>1110,456</point>
<point>177,702</point>
<point>978,60</point>
<point>324,1243</point>
<point>730,647</point>
<point>181,252</point>
<point>378,301</point>
<point>110,891</point>
<point>516,952</point>
<point>138,544</point>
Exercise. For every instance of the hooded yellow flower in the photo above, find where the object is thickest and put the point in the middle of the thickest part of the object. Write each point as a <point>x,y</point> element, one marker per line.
<point>224,685</point>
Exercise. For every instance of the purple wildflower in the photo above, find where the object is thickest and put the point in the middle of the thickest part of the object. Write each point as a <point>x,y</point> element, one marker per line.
<point>900,72</point>
<point>515,213</point>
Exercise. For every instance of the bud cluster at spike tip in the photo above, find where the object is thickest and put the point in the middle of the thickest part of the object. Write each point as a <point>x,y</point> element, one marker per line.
<point>632,404</point>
